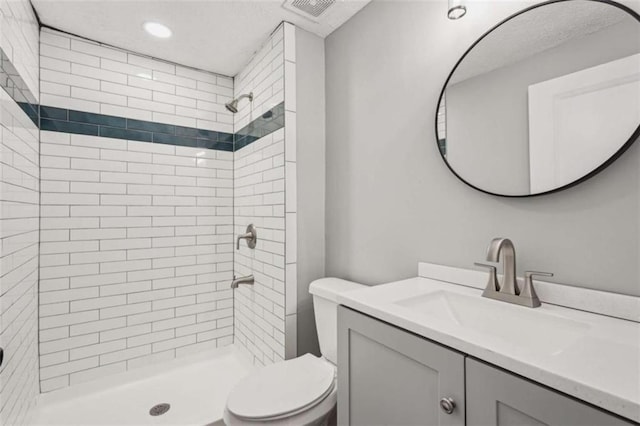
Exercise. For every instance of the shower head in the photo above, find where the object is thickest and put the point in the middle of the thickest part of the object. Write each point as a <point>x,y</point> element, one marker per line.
<point>233,105</point>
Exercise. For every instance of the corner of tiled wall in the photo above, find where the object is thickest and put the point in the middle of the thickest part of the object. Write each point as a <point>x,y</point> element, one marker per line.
<point>290,190</point>
<point>260,197</point>
<point>19,35</point>
<point>19,204</point>
<point>263,76</point>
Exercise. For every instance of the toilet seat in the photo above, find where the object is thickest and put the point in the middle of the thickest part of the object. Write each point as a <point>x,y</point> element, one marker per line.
<point>318,415</point>
<point>282,390</point>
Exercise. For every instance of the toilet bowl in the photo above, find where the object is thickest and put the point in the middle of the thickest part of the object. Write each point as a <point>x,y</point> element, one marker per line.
<point>299,391</point>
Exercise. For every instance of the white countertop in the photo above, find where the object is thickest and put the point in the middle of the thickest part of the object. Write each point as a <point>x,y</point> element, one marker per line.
<point>599,365</point>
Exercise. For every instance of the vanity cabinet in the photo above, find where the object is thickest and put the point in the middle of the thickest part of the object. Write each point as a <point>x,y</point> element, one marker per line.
<point>389,376</point>
<point>496,397</point>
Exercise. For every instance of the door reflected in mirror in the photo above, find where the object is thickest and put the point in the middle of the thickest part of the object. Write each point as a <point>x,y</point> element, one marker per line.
<point>546,99</point>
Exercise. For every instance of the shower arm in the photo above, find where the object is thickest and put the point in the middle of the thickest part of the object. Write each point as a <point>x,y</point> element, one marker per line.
<point>233,105</point>
<point>246,95</point>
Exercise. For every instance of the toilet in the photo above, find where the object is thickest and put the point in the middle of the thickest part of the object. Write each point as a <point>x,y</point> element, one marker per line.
<point>299,391</point>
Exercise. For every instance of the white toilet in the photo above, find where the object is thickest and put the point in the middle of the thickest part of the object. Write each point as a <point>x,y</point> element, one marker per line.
<point>299,391</point>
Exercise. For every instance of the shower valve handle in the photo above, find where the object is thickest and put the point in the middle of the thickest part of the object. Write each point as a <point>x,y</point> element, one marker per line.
<point>251,236</point>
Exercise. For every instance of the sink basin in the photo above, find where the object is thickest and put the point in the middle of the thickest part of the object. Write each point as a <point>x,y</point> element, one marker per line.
<point>499,320</point>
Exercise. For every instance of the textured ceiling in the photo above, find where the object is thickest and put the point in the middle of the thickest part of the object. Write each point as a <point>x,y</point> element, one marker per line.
<point>218,36</point>
<point>535,31</point>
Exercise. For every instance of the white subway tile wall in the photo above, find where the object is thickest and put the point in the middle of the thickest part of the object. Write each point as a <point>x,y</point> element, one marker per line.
<point>82,75</point>
<point>264,76</point>
<point>19,200</point>
<point>19,33</point>
<point>260,199</point>
<point>136,254</point>
<point>18,262</point>
<point>137,238</point>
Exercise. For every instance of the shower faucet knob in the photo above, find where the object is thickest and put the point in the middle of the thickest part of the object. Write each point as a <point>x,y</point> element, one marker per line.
<point>251,236</point>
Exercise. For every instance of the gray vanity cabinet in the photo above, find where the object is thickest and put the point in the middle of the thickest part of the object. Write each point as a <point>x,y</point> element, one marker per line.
<point>498,398</point>
<point>387,376</point>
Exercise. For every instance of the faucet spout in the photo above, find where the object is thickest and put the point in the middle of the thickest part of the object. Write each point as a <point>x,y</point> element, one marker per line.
<point>505,247</point>
<point>242,280</point>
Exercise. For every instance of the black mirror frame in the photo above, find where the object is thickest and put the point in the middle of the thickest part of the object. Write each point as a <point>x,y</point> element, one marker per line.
<point>589,175</point>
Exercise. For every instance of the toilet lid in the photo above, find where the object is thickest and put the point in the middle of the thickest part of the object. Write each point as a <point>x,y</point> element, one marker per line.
<point>282,388</point>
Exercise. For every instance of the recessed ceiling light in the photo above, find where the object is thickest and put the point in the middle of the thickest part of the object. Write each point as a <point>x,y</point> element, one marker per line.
<point>157,29</point>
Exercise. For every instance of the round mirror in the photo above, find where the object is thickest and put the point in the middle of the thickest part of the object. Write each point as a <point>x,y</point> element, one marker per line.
<point>544,100</point>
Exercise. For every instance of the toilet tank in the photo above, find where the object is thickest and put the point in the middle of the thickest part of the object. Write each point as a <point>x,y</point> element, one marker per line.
<point>325,305</point>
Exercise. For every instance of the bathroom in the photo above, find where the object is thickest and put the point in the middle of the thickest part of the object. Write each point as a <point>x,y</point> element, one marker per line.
<point>258,212</point>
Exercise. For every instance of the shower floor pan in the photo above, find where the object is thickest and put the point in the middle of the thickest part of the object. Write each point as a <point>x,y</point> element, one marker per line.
<point>196,389</point>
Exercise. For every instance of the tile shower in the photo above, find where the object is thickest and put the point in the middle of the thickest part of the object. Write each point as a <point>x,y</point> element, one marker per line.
<point>136,244</point>
<point>124,205</point>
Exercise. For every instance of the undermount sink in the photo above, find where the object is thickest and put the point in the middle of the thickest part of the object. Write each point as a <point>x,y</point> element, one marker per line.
<point>525,328</point>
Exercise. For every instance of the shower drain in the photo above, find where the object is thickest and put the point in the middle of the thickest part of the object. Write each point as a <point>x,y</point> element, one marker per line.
<point>160,409</point>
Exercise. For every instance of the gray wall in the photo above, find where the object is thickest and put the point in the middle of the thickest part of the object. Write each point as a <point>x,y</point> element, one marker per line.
<point>310,157</point>
<point>391,201</point>
<point>489,113</point>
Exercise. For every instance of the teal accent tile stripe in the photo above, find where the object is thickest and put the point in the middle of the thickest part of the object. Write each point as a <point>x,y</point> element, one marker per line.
<point>442,145</point>
<point>88,123</point>
<point>268,122</point>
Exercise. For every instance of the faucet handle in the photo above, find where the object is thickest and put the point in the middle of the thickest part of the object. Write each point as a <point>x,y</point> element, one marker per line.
<point>529,274</point>
<point>528,291</point>
<point>251,235</point>
<point>492,284</point>
<point>528,281</point>
<point>485,265</point>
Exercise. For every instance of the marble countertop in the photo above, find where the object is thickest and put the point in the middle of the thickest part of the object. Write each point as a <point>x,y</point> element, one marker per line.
<point>595,358</point>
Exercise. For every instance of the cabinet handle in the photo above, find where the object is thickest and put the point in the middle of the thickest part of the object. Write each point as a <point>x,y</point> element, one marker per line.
<point>447,405</point>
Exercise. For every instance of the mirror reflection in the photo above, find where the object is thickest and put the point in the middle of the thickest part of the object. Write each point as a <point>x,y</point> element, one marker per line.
<point>544,100</point>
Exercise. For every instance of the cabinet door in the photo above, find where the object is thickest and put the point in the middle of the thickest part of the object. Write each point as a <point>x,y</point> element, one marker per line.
<point>388,376</point>
<point>496,397</point>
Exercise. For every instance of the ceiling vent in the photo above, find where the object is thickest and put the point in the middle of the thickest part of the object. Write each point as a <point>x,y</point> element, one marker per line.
<point>310,9</point>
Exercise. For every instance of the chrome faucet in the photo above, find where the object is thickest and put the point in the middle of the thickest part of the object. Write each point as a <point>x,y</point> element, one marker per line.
<point>505,247</point>
<point>508,291</point>
<point>242,280</point>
